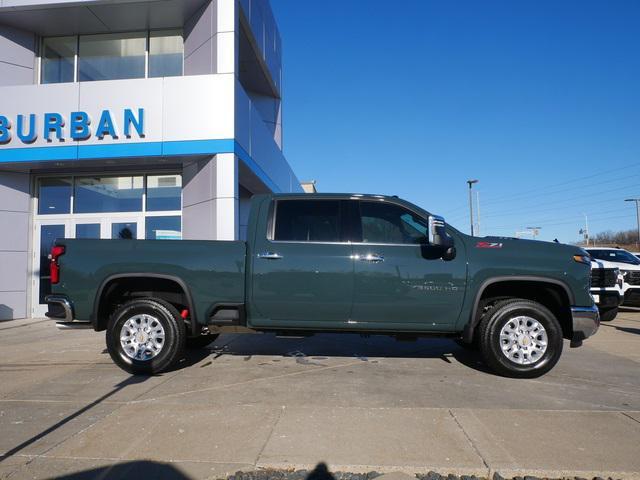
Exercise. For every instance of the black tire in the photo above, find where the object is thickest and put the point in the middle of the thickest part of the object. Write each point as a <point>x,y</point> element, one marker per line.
<point>174,336</point>
<point>608,314</point>
<point>496,317</point>
<point>201,341</point>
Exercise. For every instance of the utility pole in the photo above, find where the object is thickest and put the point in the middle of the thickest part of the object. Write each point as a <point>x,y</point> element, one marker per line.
<point>637,200</point>
<point>478,211</point>
<point>586,229</point>
<point>471,182</point>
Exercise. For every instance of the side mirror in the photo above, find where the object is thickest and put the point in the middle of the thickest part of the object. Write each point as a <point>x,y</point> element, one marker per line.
<point>439,237</point>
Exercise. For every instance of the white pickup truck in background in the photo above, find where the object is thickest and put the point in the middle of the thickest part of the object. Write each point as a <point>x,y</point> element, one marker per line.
<point>606,288</point>
<point>629,265</point>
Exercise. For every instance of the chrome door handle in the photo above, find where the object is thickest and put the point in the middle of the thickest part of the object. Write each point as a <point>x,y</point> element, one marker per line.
<point>370,257</point>
<point>270,256</point>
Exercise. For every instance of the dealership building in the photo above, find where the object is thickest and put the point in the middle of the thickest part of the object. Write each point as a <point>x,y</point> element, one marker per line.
<point>120,119</point>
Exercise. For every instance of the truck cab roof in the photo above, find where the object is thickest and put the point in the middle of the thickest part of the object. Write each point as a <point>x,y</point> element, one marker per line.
<point>350,196</point>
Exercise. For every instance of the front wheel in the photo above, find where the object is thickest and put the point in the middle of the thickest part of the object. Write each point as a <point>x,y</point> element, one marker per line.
<point>145,336</point>
<point>608,314</point>
<point>520,338</point>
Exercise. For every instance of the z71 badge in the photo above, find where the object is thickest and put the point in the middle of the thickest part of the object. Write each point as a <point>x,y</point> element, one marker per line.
<point>488,245</point>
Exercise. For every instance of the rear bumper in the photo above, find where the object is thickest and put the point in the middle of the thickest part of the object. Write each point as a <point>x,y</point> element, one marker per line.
<point>586,321</point>
<point>60,309</point>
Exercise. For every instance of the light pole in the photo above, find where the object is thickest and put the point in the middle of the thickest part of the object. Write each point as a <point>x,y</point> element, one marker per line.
<point>471,182</point>
<point>478,211</point>
<point>637,200</point>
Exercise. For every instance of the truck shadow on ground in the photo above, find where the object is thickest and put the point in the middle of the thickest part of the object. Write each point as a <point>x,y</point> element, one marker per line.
<point>137,469</point>
<point>633,331</point>
<point>313,350</point>
<point>166,471</point>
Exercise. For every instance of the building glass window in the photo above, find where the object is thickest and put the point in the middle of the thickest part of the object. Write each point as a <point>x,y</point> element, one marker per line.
<point>55,196</point>
<point>166,49</point>
<point>58,59</point>
<point>108,194</point>
<point>164,192</point>
<point>163,228</point>
<point>88,230</point>
<point>112,56</point>
<point>124,231</point>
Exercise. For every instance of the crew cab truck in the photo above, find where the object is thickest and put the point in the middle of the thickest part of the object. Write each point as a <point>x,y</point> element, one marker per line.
<point>315,263</point>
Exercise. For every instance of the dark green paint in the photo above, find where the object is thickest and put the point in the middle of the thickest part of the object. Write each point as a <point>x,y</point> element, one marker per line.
<point>323,286</point>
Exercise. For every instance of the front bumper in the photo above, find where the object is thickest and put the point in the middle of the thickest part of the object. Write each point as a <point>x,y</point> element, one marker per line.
<point>632,297</point>
<point>586,321</point>
<point>607,298</point>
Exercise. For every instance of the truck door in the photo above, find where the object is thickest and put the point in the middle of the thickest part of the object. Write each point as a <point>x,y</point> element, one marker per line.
<point>399,281</point>
<point>302,275</point>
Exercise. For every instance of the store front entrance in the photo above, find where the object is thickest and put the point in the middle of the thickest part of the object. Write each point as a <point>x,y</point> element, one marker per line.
<point>100,207</point>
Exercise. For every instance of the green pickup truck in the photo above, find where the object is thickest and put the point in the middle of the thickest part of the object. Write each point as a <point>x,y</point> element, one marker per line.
<point>315,263</point>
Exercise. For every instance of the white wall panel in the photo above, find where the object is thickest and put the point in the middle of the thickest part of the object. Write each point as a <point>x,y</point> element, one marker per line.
<point>226,48</point>
<point>176,108</point>
<point>198,107</point>
<point>38,99</point>
<point>118,95</point>
<point>226,16</point>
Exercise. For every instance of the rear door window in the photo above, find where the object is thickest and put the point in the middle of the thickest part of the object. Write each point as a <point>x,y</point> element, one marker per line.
<point>307,221</point>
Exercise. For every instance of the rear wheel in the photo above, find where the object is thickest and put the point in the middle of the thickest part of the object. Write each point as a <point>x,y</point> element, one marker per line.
<point>145,336</point>
<point>520,338</point>
<point>608,314</point>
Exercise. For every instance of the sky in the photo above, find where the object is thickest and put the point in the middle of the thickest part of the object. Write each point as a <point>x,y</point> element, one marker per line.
<point>537,99</point>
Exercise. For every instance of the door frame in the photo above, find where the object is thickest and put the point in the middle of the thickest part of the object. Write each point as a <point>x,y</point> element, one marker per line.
<point>38,309</point>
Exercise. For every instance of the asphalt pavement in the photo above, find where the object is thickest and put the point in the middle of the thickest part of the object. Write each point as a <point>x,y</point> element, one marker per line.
<point>252,402</point>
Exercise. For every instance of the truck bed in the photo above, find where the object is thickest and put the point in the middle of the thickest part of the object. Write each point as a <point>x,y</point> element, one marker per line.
<point>212,271</point>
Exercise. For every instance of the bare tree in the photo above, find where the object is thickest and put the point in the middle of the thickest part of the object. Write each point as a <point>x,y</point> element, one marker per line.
<point>625,239</point>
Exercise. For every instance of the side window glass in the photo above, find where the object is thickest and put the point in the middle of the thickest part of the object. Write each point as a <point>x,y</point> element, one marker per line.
<point>307,221</point>
<point>388,223</point>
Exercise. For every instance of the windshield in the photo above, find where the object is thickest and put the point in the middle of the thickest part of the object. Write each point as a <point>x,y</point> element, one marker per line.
<point>621,256</point>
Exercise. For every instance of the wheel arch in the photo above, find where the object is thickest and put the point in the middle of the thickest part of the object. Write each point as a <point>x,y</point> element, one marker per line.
<point>523,287</point>
<point>98,319</point>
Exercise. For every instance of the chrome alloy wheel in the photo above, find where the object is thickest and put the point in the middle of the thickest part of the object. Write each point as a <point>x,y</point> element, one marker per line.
<point>142,337</point>
<point>523,340</point>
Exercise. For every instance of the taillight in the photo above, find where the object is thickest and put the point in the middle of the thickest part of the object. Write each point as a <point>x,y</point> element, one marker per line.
<point>56,251</point>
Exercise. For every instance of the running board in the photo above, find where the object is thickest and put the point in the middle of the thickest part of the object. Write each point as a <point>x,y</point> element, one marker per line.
<point>73,325</point>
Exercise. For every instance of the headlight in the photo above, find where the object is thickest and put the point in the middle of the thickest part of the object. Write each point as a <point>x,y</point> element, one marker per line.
<point>586,259</point>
